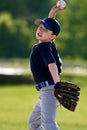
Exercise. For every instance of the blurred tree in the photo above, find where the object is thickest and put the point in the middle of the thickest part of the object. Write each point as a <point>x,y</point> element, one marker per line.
<point>17,29</point>
<point>14,37</point>
<point>74,32</point>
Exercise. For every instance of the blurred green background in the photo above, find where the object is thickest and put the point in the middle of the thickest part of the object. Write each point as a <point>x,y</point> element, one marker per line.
<point>17,29</point>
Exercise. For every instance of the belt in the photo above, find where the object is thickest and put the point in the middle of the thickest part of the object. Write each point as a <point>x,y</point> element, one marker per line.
<point>44,84</point>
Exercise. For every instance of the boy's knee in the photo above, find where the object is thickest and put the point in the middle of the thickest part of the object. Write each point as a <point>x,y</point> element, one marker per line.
<point>30,125</point>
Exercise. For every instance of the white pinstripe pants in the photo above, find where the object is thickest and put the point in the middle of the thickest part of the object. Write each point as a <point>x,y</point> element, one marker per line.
<point>44,113</point>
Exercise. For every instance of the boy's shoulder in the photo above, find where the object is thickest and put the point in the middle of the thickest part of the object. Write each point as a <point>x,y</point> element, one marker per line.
<point>48,45</point>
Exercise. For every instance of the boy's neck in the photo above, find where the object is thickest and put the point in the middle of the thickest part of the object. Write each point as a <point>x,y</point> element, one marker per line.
<point>44,41</point>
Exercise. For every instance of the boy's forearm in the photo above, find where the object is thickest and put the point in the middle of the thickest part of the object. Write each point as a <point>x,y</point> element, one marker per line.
<point>52,15</point>
<point>54,72</point>
<point>54,10</point>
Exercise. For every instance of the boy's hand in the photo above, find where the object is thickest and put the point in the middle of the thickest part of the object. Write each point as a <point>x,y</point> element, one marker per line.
<point>67,94</point>
<point>57,8</point>
<point>61,3</point>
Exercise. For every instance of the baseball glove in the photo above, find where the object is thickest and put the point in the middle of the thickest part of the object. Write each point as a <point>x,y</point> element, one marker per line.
<point>67,94</point>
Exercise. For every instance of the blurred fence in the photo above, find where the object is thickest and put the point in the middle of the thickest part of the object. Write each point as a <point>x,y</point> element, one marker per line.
<point>19,76</point>
<point>14,76</point>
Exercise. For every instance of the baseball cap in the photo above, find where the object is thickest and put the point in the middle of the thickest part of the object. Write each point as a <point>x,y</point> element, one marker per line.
<point>50,24</point>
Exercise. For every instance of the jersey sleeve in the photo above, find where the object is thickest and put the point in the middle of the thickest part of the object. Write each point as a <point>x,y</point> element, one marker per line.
<point>46,53</point>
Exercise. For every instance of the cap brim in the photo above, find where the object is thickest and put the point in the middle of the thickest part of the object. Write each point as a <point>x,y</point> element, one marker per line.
<point>38,22</point>
<point>46,25</point>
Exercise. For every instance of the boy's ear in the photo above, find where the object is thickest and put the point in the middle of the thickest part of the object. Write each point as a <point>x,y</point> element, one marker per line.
<point>53,36</point>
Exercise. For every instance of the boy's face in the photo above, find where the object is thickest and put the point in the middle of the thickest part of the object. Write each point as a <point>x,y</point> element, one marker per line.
<point>44,35</point>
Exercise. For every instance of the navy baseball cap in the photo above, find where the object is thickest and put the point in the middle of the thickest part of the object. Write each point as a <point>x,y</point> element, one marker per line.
<point>50,24</point>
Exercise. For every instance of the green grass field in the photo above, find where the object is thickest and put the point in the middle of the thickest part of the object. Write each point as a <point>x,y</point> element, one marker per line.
<point>17,101</point>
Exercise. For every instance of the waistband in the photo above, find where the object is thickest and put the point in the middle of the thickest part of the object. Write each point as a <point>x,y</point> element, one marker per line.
<point>44,84</point>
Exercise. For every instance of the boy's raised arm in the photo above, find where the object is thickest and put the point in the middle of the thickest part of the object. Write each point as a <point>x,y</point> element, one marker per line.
<point>54,10</point>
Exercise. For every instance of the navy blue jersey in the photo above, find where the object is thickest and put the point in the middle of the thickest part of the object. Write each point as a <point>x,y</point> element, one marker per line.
<point>41,55</point>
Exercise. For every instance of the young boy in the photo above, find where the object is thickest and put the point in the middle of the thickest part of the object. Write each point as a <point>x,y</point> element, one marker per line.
<point>46,66</point>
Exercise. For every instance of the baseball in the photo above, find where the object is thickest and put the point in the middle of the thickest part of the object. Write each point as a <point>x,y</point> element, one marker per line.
<point>61,3</point>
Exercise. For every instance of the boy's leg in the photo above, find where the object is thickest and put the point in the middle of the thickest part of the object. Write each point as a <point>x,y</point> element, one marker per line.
<point>34,121</point>
<point>48,109</point>
<point>44,112</point>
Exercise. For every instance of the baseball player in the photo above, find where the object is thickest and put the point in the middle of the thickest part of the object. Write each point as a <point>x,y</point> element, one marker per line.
<point>46,67</point>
